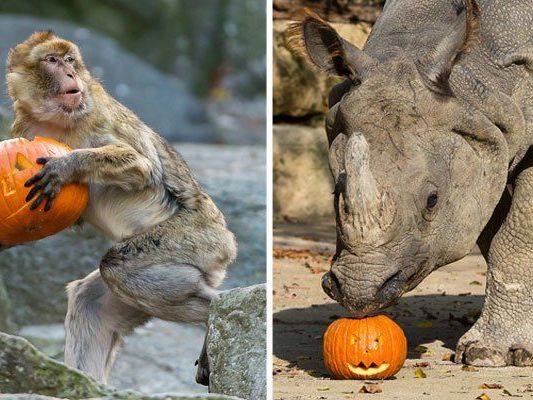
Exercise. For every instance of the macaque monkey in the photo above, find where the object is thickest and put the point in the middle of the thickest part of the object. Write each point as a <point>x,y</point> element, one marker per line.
<point>171,247</point>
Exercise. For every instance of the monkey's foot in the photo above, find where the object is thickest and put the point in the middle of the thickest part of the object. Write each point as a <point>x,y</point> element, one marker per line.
<point>487,346</point>
<point>202,373</point>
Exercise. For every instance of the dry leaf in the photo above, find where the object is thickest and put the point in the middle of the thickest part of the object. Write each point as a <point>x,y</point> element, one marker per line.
<point>528,387</point>
<point>483,396</point>
<point>370,388</point>
<point>477,283</point>
<point>323,389</point>
<point>448,357</point>
<point>424,324</point>
<point>469,368</point>
<point>491,386</point>
<point>421,349</point>
<point>508,393</point>
<point>419,373</point>
<point>422,364</point>
<point>280,252</point>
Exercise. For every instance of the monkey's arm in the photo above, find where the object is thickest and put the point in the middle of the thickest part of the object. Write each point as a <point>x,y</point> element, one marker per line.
<point>112,164</point>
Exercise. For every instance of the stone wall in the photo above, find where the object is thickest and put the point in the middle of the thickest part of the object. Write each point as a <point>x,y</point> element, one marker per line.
<point>302,181</point>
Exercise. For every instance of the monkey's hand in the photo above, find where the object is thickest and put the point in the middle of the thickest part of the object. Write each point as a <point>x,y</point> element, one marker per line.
<point>56,173</point>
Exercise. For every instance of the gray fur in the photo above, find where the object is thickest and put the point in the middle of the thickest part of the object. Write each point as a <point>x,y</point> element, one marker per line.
<point>447,112</point>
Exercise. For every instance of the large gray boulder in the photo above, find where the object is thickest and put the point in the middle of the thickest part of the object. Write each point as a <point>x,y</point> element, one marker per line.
<point>122,396</point>
<point>6,324</point>
<point>25,370</point>
<point>302,180</point>
<point>299,89</point>
<point>162,102</point>
<point>236,346</point>
<point>35,274</point>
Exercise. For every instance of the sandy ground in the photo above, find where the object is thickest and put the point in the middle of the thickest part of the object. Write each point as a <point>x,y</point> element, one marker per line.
<point>433,316</point>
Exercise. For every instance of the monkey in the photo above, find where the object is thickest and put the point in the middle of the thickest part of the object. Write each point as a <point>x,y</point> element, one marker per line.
<point>171,245</point>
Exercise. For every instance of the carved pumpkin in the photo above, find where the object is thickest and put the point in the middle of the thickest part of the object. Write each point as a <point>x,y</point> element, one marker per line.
<point>368,348</point>
<point>17,164</point>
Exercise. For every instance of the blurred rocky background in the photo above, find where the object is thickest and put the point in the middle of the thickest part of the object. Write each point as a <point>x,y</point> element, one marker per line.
<point>194,70</point>
<point>302,181</point>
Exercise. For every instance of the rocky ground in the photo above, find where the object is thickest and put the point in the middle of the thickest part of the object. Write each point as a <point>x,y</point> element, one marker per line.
<point>236,352</point>
<point>433,316</point>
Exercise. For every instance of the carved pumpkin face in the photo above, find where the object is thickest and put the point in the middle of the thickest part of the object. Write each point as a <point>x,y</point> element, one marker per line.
<point>17,164</point>
<point>367,348</point>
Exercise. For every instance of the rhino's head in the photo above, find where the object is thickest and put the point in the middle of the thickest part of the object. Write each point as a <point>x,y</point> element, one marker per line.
<point>417,173</point>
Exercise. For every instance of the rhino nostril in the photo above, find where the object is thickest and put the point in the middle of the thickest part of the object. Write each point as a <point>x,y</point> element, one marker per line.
<point>335,280</point>
<point>331,285</point>
<point>391,287</point>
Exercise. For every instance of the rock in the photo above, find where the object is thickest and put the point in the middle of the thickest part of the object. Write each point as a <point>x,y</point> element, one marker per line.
<point>236,178</point>
<point>338,11</point>
<point>25,396</point>
<point>237,343</point>
<point>302,180</point>
<point>301,90</point>
<point>239,121</point>
<point>5,122</point>
<point>6,323</point>
<point>122,396</point>
<point>24,370</point>
<point>161,101</point>
<point>35,274</point>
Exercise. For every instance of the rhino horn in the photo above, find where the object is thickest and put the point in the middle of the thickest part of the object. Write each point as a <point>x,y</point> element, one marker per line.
<point>367,212</point>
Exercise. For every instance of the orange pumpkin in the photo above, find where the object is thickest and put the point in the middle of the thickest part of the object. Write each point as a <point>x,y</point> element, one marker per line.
<point>367,348</point>
<point>17,164</point>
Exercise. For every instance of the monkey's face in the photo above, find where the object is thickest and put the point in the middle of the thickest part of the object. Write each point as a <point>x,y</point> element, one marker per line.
<point>48,79</point>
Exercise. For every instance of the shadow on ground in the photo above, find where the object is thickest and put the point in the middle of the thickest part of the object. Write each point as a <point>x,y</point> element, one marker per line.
<point>425,319</point>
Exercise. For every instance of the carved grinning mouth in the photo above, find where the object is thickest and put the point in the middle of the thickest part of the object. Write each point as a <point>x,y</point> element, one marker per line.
<point>362,369</point>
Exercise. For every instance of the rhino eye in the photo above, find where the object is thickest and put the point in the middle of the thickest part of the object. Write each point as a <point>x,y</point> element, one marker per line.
<point>432,200</point>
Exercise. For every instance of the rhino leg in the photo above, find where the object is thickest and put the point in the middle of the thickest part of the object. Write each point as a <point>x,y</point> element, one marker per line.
<point>503,335</point>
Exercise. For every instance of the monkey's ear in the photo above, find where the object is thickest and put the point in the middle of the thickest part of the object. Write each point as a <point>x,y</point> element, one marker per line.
<point>18,54</point>
<point>321,43</point>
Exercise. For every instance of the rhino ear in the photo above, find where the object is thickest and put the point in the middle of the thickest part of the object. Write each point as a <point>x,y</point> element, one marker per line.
<point>326,49</point>
<point>435,66</point>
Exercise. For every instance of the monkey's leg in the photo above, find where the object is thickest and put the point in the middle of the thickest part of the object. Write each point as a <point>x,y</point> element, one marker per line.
<point>95,324</point>
<point>168,290</point>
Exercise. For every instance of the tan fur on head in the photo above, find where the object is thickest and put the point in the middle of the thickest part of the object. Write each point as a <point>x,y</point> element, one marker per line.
<point>19,53</point>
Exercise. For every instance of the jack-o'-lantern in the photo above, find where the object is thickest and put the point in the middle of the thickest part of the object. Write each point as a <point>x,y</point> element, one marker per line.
<point>367,348</point>
<point>19,224</point>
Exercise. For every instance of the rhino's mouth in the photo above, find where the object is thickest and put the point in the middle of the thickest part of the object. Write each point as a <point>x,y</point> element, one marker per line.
<point>362,369</point>
<point>363,288</point>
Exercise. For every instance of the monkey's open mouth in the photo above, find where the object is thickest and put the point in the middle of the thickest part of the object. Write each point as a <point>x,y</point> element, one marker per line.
<point>362,369</point>
<point>71,99</point>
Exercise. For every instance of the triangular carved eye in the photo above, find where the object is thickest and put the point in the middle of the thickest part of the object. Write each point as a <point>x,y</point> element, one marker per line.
<point>22,163</point>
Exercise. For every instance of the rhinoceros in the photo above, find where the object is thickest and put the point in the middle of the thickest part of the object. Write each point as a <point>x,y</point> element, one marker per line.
<point>429,146</point>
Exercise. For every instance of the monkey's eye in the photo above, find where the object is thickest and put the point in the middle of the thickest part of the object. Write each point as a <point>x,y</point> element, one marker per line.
<point>432,200</point>
<point>51,59</point>
<point>69,59</point>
